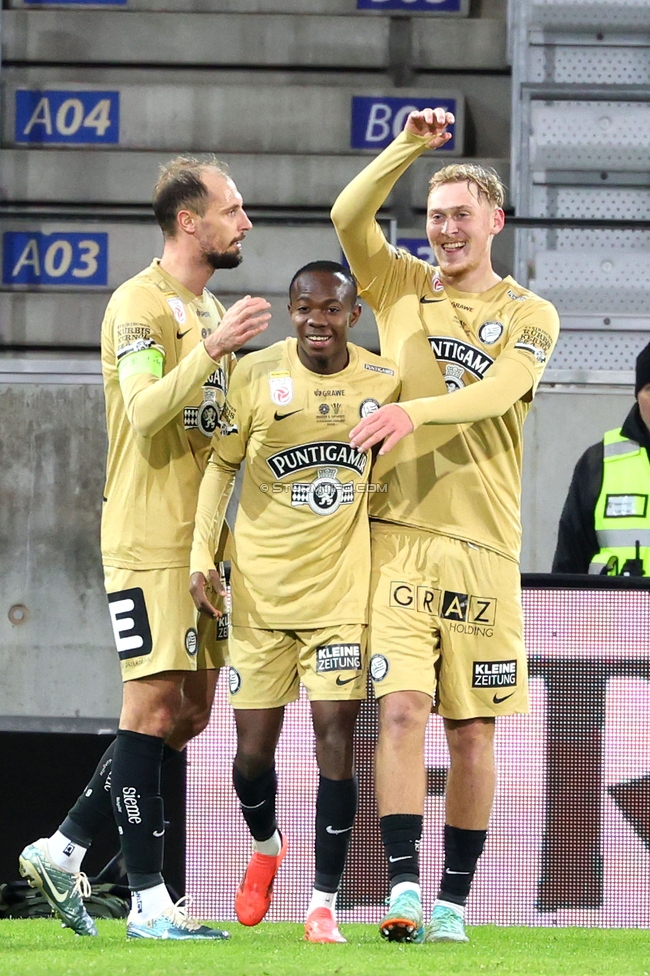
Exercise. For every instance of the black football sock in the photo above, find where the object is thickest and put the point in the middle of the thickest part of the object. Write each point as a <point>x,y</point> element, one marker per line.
<point>138,806</point>
<point>93,809</point>
<point>336,806</point>
<point>462,850</point>
<point>257,802</point>
<point>401,834</point>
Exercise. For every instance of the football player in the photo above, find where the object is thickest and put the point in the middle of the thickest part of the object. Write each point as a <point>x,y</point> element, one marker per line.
<point>446,619</point>
<point>300,570</point>
<point>167,356</point>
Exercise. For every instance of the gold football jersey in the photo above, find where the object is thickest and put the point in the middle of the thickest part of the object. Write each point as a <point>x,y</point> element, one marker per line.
<point>461,481</point>
<point>160,418</point>
<point>301,547</point>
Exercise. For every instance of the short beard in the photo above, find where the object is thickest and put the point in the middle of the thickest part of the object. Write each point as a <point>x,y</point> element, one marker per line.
<point>223,259</point>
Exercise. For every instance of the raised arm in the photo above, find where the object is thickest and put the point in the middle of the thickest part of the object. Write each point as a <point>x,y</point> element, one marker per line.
<point>353,213</point>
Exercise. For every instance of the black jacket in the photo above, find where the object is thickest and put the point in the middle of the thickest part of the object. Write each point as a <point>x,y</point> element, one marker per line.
<point>576,541</point>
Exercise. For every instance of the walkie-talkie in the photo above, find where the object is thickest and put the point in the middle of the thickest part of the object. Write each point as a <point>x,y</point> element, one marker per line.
<point>634,567</point>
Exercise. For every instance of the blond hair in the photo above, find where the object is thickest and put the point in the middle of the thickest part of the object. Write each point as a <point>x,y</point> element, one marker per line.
<point>486,180</point>
<point>180,185</point>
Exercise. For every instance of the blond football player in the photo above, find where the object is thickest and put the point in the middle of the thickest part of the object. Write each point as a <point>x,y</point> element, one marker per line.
<point>167,356</point>
<point>446,617</point>
<point>300,569</point>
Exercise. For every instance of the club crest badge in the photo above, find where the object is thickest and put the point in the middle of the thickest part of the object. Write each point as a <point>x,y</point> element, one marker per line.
<point>454,377</point>
<point>490,332</point>
<point>324,495</point>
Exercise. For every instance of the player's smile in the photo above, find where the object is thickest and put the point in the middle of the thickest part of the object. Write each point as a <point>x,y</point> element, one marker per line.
<point>322,310</point>
<point>460,227</point>
<point>318,339</point>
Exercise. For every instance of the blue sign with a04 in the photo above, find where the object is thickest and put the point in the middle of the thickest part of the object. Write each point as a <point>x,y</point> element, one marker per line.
<point>444,6</point>
<point>34,258</point>
<point>377,121</point>
<point>67,116</point>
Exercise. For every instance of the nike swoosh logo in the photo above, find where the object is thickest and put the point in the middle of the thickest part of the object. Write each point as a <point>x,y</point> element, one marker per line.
<point>394,859</point>
<point>497,700</point>
<point>283,416</point>
<point>344,830</point>
<point>255,806</point>
<point>346,681</point>
<point>179,335</point>
<point>430,301</point>
<point>448,871</point>
<point>52,887</point>
<point>158,833</point>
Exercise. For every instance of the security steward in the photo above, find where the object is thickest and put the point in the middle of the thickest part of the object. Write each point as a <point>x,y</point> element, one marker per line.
<point>605,523</point>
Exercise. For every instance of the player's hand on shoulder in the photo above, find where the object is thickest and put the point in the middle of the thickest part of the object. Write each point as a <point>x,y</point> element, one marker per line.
<point>242,322</point>
<point>388,424</point>
<point>431,122</point>
<point>198,584</point>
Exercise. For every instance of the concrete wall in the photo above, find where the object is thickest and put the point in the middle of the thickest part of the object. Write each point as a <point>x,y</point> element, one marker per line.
<point>60,661</point>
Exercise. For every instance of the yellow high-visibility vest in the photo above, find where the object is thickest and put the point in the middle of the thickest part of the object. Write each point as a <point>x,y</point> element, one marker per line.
<point>622,513</point>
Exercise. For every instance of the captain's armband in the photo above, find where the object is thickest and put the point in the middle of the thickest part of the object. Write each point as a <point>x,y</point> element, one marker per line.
<point>145,359</point>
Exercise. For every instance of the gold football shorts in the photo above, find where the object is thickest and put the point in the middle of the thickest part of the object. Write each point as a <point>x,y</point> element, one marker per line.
<point>446,619</point>
<point>156,625</point>
<point>267,666</point>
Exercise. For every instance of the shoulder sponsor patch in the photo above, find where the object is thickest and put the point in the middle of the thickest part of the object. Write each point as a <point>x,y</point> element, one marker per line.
<point>139,345</point>
<point>379,369</point>
<point>535,341</point>
<point>228,425</point>
<point>128,332</point>
<point>515,297</point>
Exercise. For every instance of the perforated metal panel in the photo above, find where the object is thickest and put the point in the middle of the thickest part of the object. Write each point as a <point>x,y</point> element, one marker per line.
<point>597,350</point>
<point>590,134</point>
<point>590,64</point>
<point>597,203</point>
<point>596,13</point>
<point>594,281</point>
<point>592,239</point>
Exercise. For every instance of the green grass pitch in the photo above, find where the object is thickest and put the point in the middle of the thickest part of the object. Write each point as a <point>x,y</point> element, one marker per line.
<point>40,947</point>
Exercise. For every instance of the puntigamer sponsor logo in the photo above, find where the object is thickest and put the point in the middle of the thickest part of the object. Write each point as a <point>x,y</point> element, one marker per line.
<point>449,350</point>
<point>494,674</point>
<point>315,454</point>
